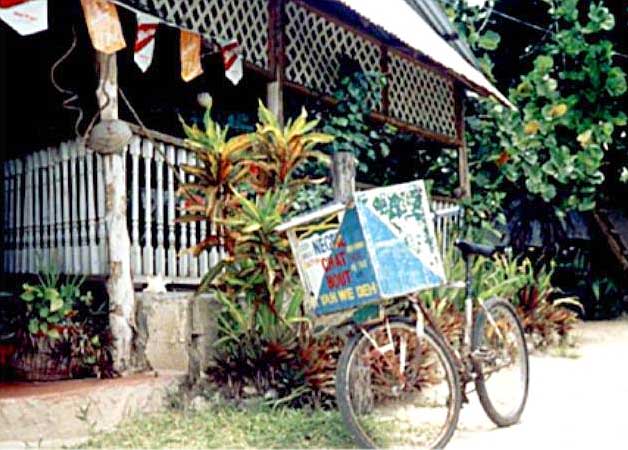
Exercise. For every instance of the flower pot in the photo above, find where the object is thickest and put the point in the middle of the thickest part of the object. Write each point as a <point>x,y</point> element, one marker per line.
<point>7,349</point>
<point>46,363</point>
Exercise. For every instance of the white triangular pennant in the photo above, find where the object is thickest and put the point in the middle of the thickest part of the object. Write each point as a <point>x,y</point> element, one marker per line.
<point>145,40</point>
<point>26,17</point>
<point>232,60</point>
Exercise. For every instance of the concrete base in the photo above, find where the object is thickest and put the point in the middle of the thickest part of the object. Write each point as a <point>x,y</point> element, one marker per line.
<point>176,330</point>
<point>66,412</point>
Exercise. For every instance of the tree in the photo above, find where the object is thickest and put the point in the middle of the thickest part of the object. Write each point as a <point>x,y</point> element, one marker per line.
<point>552,149</point>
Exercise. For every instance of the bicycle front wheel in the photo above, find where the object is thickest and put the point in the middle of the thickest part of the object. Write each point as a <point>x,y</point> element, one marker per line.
<point>398,388</point>
<point>500,356</point>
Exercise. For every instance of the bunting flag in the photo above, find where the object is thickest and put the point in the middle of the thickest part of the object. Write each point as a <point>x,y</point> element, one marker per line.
<point>190,46</point>
<point>145,40</point>
<point>25,16</point>
<point>103,25</point>
<point>232,60</point>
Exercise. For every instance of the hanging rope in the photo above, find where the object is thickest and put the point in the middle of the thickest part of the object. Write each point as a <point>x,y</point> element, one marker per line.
<point>102,107</point>
<point>148,135</point>
<point>72,96</point>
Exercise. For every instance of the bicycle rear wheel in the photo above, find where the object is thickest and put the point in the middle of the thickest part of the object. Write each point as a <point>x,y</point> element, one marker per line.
<point>398,389</point>
<point>500,356</point>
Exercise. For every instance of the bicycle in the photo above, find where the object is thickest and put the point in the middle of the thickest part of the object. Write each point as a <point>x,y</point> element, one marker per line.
<point>399,383</point>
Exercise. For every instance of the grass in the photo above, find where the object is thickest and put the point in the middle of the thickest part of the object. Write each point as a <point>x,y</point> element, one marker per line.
<point>224,426</point>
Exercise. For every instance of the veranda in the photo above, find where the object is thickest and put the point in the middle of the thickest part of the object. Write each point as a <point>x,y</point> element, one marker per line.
<point>59,197</point>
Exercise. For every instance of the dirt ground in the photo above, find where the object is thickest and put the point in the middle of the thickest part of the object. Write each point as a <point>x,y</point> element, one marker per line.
<point>577,400</point>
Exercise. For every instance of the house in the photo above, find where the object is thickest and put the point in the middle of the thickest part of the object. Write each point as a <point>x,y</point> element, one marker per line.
<point>112,216</point>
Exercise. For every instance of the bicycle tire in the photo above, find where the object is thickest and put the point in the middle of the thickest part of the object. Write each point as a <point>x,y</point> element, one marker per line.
<point>498,306</point>
<point>364,437</point>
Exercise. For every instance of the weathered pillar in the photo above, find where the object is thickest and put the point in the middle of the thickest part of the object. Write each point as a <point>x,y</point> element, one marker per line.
<point>343,176</point>
<point>463,155</point>
<point>274,99</point>
<point>275,88</point>
<point>119,283</point>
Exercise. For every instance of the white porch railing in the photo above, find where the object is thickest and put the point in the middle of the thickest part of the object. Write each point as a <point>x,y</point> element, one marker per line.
<point>157,238</point>
<point>54,212</point>
<point>447,223</point>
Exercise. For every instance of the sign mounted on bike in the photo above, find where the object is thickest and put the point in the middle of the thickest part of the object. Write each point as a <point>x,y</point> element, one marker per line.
<point>382,246</point>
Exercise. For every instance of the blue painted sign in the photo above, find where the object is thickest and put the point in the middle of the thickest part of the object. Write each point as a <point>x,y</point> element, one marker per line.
<point>385,247</point>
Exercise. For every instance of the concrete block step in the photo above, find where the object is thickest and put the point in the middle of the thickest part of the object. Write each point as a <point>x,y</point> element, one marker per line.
<point>65,412</point>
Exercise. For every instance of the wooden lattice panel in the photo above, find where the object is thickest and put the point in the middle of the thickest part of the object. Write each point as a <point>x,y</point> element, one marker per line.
<point>314,46</point>
<point>246,21</point>
<point>421,97</point>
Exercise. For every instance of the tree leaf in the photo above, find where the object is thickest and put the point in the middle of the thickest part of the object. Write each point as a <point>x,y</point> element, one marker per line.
<point>489,40</point>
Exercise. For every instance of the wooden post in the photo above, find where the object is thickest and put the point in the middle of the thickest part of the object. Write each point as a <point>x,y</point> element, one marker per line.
<point>119,283</point>
<point>275,89</point>
<point>343,176</point>
<point>463,156</point>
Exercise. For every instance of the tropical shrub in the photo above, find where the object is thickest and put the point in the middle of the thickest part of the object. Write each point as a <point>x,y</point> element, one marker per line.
<point>547,315</point>
<point>264,341</point>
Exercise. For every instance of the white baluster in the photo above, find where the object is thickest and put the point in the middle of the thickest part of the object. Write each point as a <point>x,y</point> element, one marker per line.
<point>203,260</point>
<point>103,258</point>
<point>147,251</point>
<point>18,203</point>
<point>83,214</point>
<point>172,233</point>
<point>94,254</point>
<point>59,256</point>
<point>183,260</point>
<point>160,253</point>
<point>29,253</point>
<point>446,220</point>
<point>67,231</point>
<point>214,252</point>
<point>75,208</point>
<point>192,260</point>
<point>136,256</point>
<point>45,207</point>
<point>36,214</point>
<point>7,223</point>
<point>52,208</point>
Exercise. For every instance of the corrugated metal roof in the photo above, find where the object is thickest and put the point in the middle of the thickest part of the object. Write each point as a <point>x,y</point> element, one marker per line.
<point>431,11</point>
<point>403,21</point>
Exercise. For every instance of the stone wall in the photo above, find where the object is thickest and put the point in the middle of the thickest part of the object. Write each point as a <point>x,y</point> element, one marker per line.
<point>176,331</point>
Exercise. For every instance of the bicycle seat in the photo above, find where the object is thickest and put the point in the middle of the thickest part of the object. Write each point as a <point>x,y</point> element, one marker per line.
<point>471,248</point>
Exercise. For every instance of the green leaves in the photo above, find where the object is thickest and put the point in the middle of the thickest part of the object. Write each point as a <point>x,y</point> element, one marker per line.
<point>489,40</point>
<point>348,121</point>
<point>52,302</point>
<point>554,147</point>
<point>600,19</point>
<point>543,64</point>
<point>616,82</point>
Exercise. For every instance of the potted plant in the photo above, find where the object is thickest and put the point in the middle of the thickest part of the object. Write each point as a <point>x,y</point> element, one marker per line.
<point>55,342</point>
<point>9,317</point>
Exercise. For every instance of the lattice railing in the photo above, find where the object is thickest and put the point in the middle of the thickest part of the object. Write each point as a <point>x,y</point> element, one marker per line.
<point>246,21</point>
<point>421,97</point>
<point>314,47</point>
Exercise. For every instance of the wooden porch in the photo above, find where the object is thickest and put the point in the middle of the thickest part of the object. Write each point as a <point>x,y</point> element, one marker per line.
<point>55,206</point>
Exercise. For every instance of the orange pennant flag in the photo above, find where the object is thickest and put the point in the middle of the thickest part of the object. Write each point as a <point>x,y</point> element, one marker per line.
<point>190,56</point>
<point>103,25</point>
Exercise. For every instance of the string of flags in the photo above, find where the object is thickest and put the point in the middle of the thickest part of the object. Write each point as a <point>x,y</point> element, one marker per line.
<point>28,17</point>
